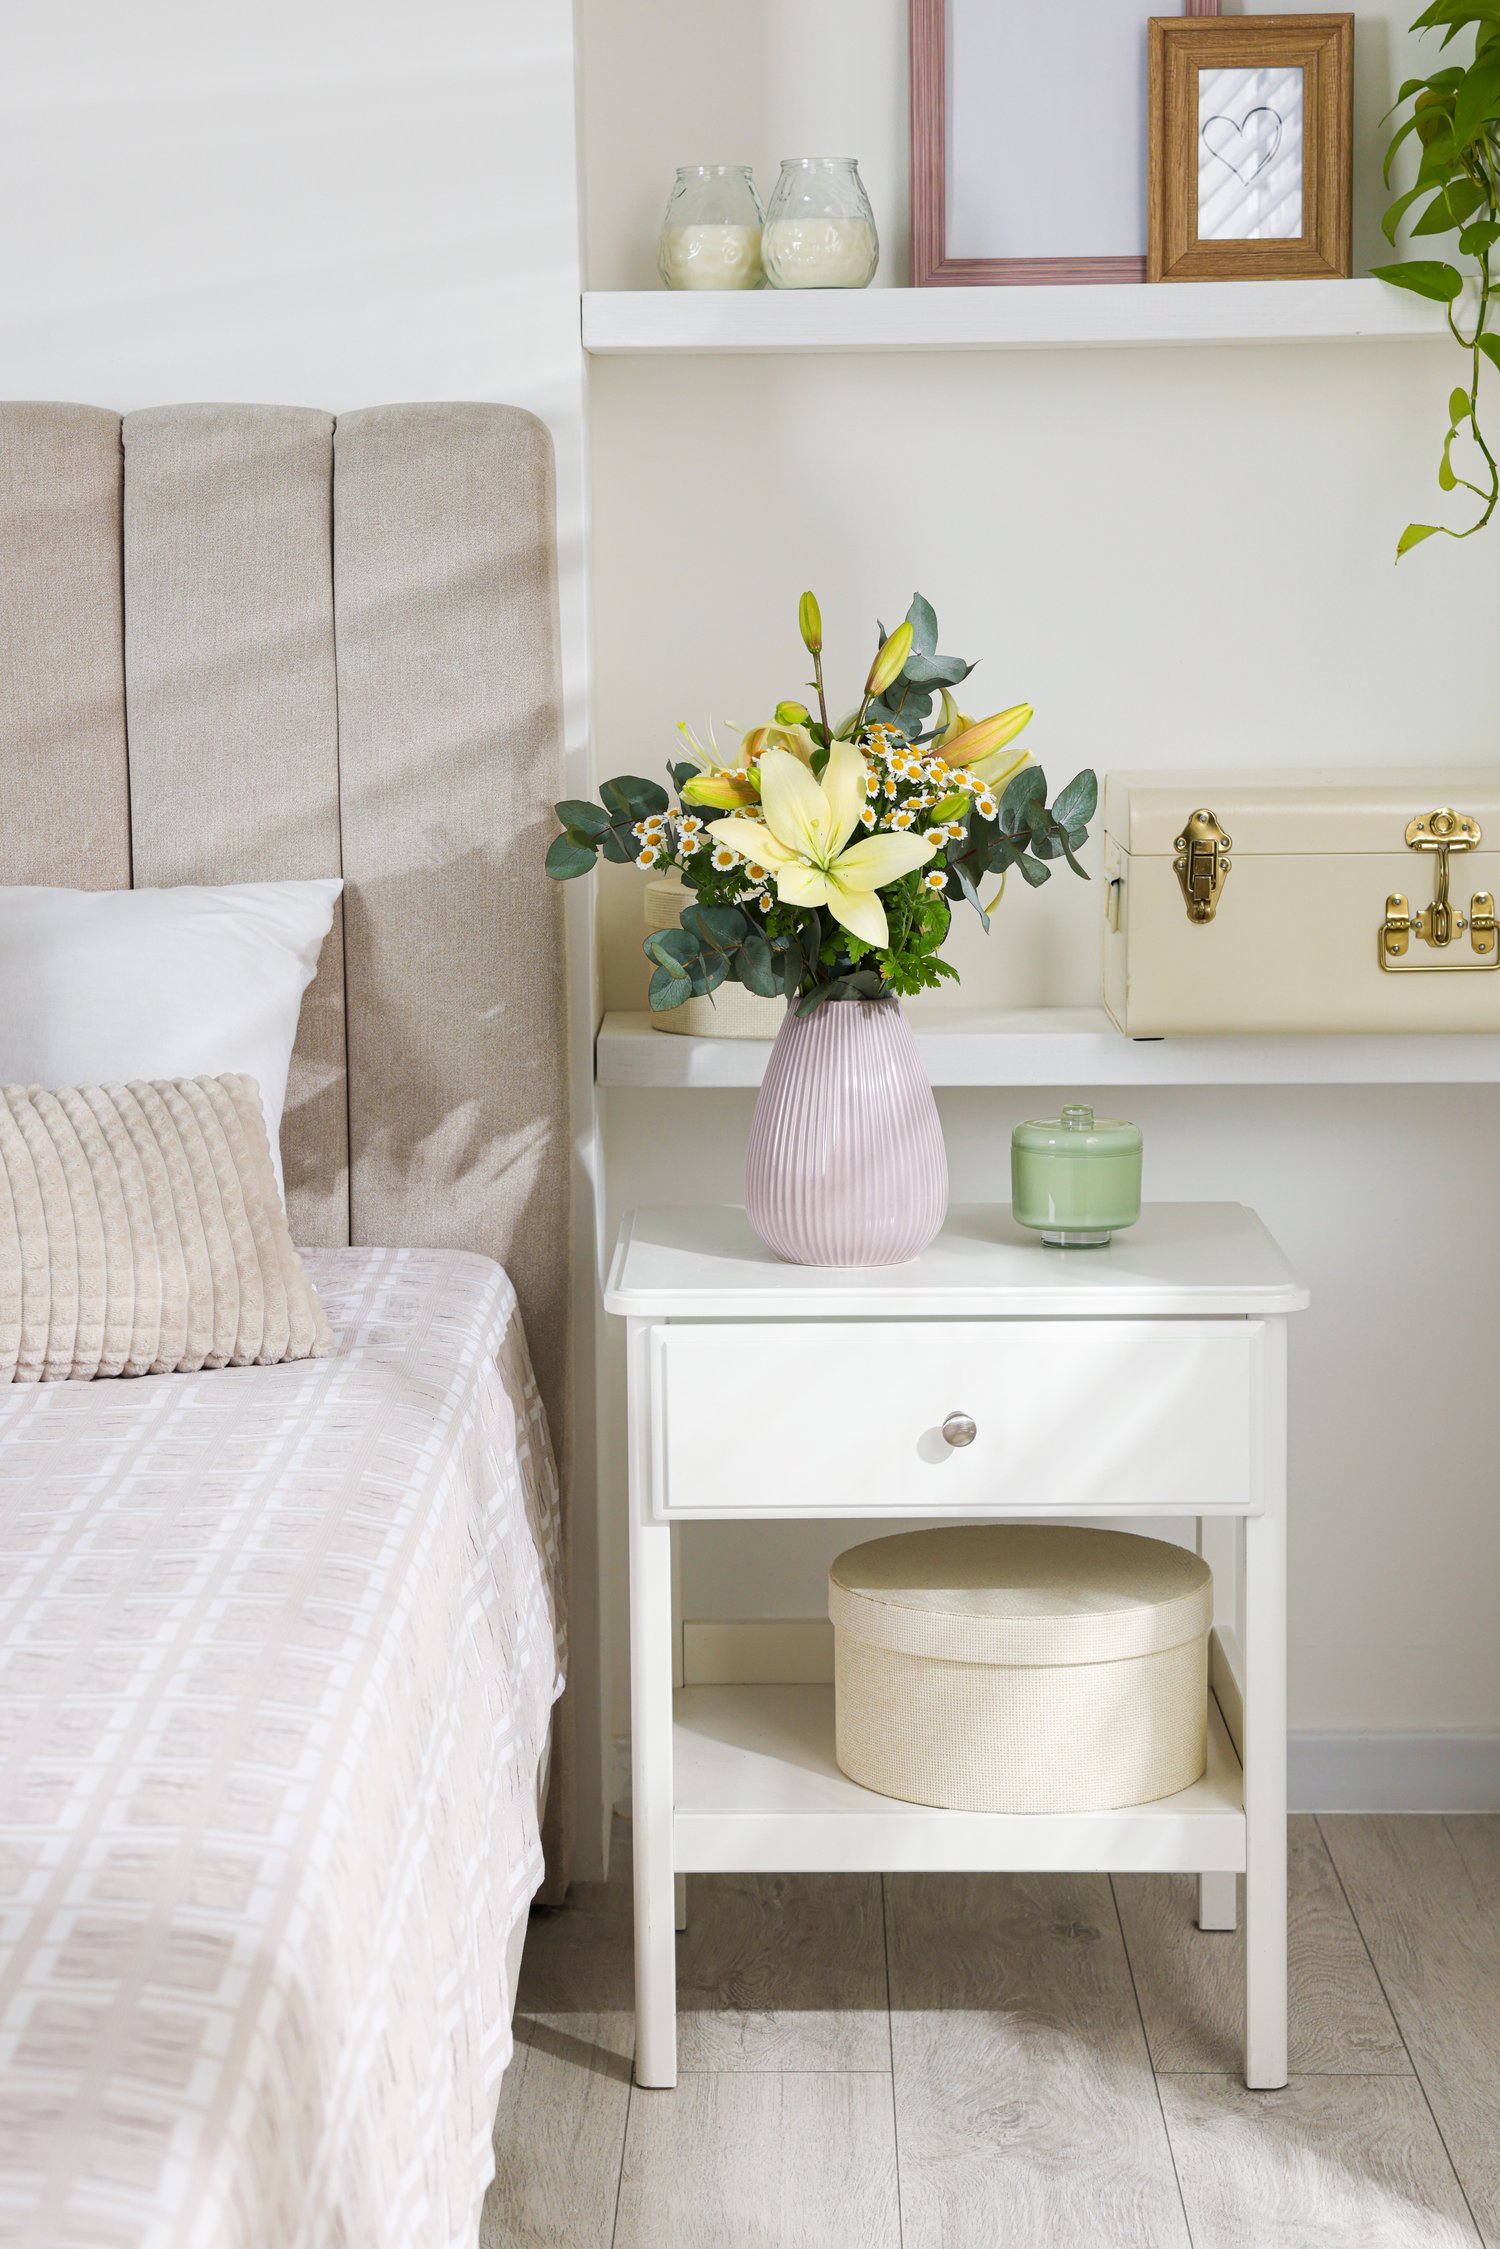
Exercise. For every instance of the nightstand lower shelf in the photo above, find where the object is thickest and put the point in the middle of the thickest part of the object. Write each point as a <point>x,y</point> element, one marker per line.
<point>756,1789</point>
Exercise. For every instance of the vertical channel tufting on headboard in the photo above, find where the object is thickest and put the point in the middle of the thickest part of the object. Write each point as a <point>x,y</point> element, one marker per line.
<point>64,812</point>
<point>232,707</point>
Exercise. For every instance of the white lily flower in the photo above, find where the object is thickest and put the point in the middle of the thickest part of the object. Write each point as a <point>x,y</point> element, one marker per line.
<point>804,839</point>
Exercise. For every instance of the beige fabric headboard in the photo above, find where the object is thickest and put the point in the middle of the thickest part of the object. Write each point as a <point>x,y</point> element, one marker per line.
<point>242,643</point>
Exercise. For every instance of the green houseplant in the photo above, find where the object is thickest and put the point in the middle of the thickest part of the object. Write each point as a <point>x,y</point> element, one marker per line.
<point>1453,122</point>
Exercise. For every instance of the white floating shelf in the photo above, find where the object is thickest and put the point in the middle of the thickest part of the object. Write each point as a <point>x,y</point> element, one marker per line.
<point>1066,1046</point>
<point>1026,319</point>
<point>757,1789</point>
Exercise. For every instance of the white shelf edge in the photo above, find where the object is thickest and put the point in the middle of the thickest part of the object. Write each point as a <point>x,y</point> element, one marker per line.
<point>1077,1047</point>
<point>757,1791</point>
<point>1023,319</point>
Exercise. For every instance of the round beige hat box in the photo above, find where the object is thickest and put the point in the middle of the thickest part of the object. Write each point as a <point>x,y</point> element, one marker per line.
<point>1021,1667</point>
<point>729,1013</point>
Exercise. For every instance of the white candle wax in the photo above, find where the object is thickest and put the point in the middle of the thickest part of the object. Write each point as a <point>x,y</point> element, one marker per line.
<point>711,257</point>
<point>819,253</point>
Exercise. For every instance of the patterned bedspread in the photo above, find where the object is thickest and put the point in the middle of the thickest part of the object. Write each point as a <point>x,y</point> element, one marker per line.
<point>278,1649</point>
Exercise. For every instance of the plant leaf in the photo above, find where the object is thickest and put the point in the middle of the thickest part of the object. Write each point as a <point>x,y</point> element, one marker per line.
<point>1478,240</point>
<point>1447,481</point>
<point>1022,791</point>
<point>922,618</point>
<point>1490,346</point>
<point>1450,207</point>
<point>1413,536</point>
<point>628,797</point>
<point>667,990</point>
<point>1476,103</point>
<point>1425,277</point>
<point>1397,212</point>
<point>1078,802</point>
<point>568,855</point>
<point>1458,13</point>
<point>1459,407</point>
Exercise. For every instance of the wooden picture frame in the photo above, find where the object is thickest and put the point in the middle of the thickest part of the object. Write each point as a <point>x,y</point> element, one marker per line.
<point>932,125</point>
<point>1250,148</point>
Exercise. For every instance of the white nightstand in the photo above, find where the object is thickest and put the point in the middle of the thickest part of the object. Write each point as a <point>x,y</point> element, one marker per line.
<point>1144,1379</point>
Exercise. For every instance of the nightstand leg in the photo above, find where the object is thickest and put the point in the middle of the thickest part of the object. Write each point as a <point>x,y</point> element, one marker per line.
<point>1265,1798</point>
<point>1218,1901</point>
<point>651,1801</point>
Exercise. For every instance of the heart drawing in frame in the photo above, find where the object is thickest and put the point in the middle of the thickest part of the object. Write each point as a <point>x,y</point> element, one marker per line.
<point>1247,148</point>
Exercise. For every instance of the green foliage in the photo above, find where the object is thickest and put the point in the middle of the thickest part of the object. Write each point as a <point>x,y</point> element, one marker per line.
<point>738,929</point>
<point>1454,119</point>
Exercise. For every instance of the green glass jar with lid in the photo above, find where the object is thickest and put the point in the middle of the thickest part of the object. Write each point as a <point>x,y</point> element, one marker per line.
<point>1077,1177</point>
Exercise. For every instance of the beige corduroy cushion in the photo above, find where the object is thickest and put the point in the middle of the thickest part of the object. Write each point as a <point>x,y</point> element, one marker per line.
<point>141,1232</point>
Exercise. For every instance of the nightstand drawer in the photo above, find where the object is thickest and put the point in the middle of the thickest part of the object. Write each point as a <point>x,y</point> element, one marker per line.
<point>847,1417</point>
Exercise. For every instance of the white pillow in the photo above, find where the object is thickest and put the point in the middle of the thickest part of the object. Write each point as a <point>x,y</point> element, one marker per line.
<point>104,987</point>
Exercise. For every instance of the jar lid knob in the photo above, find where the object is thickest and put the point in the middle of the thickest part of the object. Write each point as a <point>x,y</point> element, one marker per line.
<point>1078,1117</point>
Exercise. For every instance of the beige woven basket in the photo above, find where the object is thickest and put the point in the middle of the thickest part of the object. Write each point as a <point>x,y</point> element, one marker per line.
<point>1021,1667</point>
<point>729,1013</point>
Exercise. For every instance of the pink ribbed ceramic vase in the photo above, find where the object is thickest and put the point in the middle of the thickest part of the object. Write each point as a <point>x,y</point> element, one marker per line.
<point>846,1163</point>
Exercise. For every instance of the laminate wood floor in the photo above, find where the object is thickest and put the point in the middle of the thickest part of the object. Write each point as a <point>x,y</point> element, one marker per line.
<point>1019,2062</point>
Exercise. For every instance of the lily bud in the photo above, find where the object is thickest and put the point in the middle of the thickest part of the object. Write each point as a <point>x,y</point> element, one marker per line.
<point>955,721</point>
<point>978,746</point>
<point>792,714</point>
<point>810,624</point>
<point>891,661</point>
<point>724,792</point>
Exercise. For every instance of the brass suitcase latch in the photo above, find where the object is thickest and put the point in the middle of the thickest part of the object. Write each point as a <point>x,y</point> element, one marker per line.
<point>1202,864</point>
<point>1443,832</point>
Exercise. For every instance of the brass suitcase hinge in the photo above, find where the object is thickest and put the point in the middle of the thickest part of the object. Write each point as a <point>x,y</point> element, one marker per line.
<point>1202,864</point>
<point>1444,832</point>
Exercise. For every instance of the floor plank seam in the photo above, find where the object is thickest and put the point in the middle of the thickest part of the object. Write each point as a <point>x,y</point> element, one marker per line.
<point>1479,2232</point>
<point>890,2047</point>
<point>1166,2129</point>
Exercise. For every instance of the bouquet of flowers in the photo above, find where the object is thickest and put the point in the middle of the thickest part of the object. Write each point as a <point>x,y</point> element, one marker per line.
<point>832,853</point>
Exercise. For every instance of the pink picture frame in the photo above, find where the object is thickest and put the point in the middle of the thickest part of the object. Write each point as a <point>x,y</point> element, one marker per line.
<point>931,265</point>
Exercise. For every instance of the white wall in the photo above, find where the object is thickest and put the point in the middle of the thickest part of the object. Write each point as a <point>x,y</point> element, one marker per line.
<point>338,205</point>
<point>1183,558</point>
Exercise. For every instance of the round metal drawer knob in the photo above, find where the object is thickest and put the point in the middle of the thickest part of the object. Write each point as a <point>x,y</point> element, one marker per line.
<point>959,1429</point>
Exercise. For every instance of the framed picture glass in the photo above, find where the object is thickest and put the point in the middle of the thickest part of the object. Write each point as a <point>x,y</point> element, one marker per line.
<point>1028,140</point>
<point>1251,148</point>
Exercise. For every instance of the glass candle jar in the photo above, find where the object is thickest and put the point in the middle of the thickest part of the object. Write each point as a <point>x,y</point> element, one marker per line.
<point>820,230</point>
<point>710,235</point>
<point>1076,1177</point>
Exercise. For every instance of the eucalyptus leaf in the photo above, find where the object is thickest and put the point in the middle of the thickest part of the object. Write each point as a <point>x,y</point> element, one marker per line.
<point>577,812</point>
<point>1035,872</point>
<point>755,966</point>
<point>568,855</point>
<point>619,849</point>
<point>936,671</point>
<point>922,618</point>
<point>1023,791</point>
<point>628,797</point>
<point>718,928</point>
<point>667,990</point>
<point>1079,801</point>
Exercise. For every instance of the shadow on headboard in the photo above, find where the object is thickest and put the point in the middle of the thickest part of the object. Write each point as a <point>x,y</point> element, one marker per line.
<point>245,643</point>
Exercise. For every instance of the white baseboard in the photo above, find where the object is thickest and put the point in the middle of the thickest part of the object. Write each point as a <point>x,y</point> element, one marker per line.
<point>1345,1772</point>
<point>1393,1772</point>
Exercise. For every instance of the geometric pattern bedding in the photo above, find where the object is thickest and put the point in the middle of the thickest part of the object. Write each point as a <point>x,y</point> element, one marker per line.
<point>278,1650</point>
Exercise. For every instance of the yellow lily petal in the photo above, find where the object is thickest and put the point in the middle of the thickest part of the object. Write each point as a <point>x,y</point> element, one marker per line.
<point>881,859</point>
<point>797,811</point>
<point>858,909</point>
<point>999,767</point>
<point>753,840</point>
<point>797,884</point>
<point>845,785</point>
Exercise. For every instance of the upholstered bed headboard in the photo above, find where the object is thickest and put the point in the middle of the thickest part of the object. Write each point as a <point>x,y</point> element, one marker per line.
<point>241,643</point>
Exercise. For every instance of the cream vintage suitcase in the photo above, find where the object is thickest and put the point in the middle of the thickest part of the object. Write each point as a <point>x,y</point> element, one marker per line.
<point>1351,899</point>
